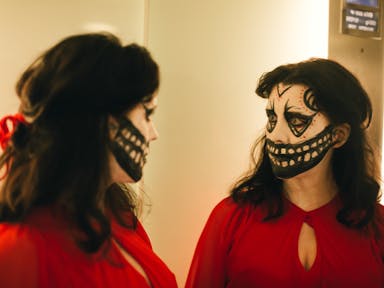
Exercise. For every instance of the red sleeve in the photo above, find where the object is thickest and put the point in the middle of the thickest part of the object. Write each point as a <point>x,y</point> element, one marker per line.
<point>208,267</point>
<point>18,260</point>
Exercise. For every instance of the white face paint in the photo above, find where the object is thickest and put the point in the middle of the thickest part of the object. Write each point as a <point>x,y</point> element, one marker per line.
<point>298,134</point>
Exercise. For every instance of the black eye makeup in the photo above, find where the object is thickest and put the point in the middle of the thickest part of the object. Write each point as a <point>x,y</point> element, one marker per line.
<point>272,119</point>
<point>298,115</point>
<point>148,112</point>
<point>297,122</point>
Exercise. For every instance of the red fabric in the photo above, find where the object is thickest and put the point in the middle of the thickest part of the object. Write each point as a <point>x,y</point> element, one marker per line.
<point>5,131</point>
<point>238,249</point>
<point>41,253</point>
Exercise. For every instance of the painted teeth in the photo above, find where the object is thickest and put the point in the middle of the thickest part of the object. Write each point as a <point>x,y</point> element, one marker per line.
<point>137,159</point>
<point>126,133</point>
<point>299,154</point>
<point>299,158</point>
<point>120,142</point>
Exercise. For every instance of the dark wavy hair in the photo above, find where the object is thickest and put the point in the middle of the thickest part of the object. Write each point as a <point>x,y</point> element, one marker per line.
<point>61,156</point>
<point>342,98</point>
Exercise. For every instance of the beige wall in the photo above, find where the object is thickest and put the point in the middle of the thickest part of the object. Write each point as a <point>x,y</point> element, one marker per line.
<point>29,27</point>
<point>210,54</point>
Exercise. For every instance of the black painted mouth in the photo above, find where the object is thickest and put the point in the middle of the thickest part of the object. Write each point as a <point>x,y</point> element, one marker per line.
<point>130,148</point>
<point>289,160</point>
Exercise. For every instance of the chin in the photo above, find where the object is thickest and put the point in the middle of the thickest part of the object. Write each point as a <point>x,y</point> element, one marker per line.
<point>123,178</point>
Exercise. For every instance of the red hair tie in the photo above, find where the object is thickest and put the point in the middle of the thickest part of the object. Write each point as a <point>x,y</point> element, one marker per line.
<point>7,131</point>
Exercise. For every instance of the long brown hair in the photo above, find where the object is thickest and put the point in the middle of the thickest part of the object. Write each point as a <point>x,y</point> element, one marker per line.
<point>341,97</point>
<point>61,157</point>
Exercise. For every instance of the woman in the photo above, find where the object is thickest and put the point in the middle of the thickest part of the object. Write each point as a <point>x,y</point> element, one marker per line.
<point>307,214</point>
<point>66,219</point>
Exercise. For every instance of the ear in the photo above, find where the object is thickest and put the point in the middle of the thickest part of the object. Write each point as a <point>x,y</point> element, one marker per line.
<point>340,134</point>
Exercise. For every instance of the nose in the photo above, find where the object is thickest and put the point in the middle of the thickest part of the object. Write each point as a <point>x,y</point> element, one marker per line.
<point>280,134</point>
<point>153,133</point>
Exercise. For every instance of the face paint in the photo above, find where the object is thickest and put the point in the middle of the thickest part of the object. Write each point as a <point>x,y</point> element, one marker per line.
<point>298,133</point>
<point>289,160</point>
<point>297,122</point>
<point>129,148</point>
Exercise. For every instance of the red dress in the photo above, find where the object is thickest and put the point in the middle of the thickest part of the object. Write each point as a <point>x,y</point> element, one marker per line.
<point>237,249</point>
<point>40,252</point>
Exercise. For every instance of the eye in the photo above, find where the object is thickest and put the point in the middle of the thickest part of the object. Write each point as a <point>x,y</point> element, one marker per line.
<point>297,122</point>
<point>272,120</point>
<point>148,112</point>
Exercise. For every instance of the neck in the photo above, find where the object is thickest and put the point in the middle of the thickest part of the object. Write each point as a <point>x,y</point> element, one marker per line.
<point>313,188</point>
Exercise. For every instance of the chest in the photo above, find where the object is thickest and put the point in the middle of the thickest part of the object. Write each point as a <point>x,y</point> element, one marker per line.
<point>128,263</point>
<point>321,254</point>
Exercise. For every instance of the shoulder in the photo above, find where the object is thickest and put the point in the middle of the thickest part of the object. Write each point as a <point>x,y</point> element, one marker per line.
<point>228,216</point>
<point>15,239</point>
<point>18,255</point>
<point>228,208</point>
<point>225,223</point>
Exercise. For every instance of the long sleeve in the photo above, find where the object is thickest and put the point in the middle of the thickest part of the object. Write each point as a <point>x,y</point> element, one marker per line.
<point>208,267</point>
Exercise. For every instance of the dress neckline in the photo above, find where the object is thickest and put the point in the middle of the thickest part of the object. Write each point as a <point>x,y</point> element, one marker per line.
<point>332,205</point>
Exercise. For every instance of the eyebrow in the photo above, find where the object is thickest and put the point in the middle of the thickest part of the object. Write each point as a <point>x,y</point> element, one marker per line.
<point>296,110</point>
